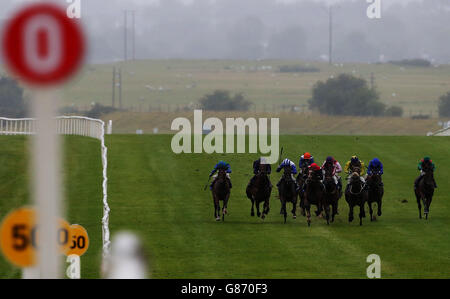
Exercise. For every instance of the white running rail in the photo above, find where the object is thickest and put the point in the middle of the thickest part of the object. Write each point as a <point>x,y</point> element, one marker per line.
<point>71,125</point>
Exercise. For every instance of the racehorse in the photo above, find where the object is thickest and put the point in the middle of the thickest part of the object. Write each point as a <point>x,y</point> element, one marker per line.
<point>260,191</point>
<point>425,191</point>
<point>288,193</point>
<point>301,179</point>
<point>331,195</point>
<point>314,191</point>
<point>375,193</point>
<point>356,195</point>
<point>221,192</point>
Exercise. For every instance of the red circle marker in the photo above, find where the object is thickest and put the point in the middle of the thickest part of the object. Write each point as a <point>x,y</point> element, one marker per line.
<point>42,45</point>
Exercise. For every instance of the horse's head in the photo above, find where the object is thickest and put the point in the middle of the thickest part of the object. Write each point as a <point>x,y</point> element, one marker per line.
<point>263,168</point>
<point>427,167</point>
<point>287,170</point>
<point>329,183</point>
<point>222,173</point>
<point>328,168</point>
<point>357,170</point>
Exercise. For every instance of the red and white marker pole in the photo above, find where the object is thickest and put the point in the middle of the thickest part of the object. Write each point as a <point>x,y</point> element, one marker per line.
<point>43,47</point>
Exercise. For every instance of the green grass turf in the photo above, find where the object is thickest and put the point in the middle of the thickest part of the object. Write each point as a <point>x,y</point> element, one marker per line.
<point>160,196</point>
<point>82,178</point>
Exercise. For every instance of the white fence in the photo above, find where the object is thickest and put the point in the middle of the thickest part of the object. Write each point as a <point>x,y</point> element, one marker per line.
<point>71,125</point>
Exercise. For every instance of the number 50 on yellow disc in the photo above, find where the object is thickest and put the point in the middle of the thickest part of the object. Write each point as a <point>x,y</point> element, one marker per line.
<point>19,237</point>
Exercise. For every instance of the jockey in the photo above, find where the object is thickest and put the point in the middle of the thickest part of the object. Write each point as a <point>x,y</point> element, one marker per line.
<point>375,166</point>
<point>256,169</point>
<point>305,161</point>
<point>423,164</point>
<point>257,164</point>
<point>336,169</point>
<point>220,165</point>
<point>352,164</point>
<point>315,170</point>
<point>355,162</point>
<point>287,162</point>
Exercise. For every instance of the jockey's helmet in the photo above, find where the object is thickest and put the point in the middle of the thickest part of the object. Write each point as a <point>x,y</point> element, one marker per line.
<point>314,167</point>
<point>307,156</point>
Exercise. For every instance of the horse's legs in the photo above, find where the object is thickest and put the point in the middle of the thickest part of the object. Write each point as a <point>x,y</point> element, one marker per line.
<point>379,204</point>
<point>427,204</point>
<point>370,211</point>
<point>307,206</point>
<point>419,205</point>
<point>257,209</point>
<point>266,208</point>
<point>327,212</point>
<point>283,208</point>
<point>217,209</point>
<point>225,205</point>
<point>350,214</point>
<point>361,213</point>
<point>333,211</point>
<point>302,205</point>
<point>252,212</point>
<point>294,207</point>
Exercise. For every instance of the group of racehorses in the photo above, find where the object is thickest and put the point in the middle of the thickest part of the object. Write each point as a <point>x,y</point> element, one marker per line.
<point>323,192</point>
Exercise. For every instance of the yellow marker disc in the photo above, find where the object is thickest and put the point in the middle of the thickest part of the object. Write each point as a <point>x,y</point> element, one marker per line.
<point>79,240</point>
<point>19,237</point>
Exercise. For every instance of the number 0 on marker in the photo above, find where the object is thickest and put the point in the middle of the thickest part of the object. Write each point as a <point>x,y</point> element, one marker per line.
<point>42,45</point>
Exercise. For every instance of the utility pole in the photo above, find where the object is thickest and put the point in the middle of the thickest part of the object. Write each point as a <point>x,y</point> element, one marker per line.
<point>114,87</point>
<point>120,88</point>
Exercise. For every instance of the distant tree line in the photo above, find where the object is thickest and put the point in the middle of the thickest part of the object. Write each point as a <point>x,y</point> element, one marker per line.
<point>222,100</point>
<point>348,95</point>
<point>412,62</point>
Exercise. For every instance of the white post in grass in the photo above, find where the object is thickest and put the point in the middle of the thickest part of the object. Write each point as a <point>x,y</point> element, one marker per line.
<point>47,181</point>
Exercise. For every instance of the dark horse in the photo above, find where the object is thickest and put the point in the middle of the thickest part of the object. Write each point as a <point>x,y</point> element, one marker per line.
<point>331,195</point>
<point>355,195</point>
<point>288,193</point>
<point>260,191</point>
<point>425,191</point>
<point>301,180</point>
<point>221,192</point>
<point>314,191</point>
<point>375,193</point>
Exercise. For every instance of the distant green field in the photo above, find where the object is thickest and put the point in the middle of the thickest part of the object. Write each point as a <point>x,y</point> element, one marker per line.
<point>165,84</point>
<point>160,196</point>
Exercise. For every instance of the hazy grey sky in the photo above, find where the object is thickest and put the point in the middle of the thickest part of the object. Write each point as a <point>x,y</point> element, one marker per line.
<point>260,29</point>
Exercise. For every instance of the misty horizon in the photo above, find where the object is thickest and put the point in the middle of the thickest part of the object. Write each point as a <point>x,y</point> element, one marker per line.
<point>266,29</point>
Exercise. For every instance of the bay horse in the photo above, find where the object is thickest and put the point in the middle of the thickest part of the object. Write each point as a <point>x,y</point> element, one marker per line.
<point>314,192</point>
<point>375,193</point>
<point>425,191</point>
<point>301,180</point>
<point>331,195</point>
<point>260,191</point>
<point>287,192</point>
<point>356,195</point>
<point>221,192</point>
